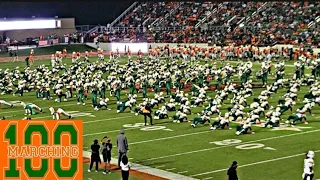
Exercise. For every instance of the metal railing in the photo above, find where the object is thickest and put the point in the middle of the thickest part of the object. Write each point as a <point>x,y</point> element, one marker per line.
<point>160,20</point>
<point>123,14</point>
<point>207,16</point>
<point>84,28</point>
<point>313,23</point>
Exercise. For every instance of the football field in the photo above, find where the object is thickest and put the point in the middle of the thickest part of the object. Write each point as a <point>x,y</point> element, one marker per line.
<point>179,148</point>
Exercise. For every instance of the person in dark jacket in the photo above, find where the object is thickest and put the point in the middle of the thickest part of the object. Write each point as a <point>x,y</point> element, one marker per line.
<point>95,155</point>
<point>27,62</point>
<point>232,171</point>
<point>122,144</point>
<point>146,111</point>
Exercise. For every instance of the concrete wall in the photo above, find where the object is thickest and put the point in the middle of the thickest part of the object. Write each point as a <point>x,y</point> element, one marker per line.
<point>67,26</point>
<point>108,46</point>
<point>134,47</point>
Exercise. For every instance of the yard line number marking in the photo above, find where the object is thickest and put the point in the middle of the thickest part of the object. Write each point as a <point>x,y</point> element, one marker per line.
<point>242,146</point>
<point>149,128</point>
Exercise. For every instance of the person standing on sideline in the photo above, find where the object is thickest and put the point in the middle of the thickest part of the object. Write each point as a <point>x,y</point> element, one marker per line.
<point>122,145</point>
<point>308,172</point>
<point>232,171</point>
<point>125,167</point>
<point>106,153</point>
<point>95,157</point>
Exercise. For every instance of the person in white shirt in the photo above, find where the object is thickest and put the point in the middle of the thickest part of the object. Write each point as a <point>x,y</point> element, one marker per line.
<point>308,172</point>
<point>125,167</point>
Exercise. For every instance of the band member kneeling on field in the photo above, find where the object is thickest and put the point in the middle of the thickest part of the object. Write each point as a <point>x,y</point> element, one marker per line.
<point>95,157</point>
<point>106,153</point>
<point>146,111</point>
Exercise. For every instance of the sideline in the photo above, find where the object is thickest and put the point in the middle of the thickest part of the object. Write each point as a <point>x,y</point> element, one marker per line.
<point>148,170</point>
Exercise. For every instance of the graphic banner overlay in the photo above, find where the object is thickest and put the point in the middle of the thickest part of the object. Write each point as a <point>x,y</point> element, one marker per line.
<point>41,150</point>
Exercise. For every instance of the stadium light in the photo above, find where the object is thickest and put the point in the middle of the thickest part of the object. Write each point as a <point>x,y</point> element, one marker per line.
<point>28,24</point>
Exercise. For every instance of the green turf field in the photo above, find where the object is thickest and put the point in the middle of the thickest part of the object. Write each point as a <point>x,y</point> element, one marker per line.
<point>51,50</point>
<point>195,152</point>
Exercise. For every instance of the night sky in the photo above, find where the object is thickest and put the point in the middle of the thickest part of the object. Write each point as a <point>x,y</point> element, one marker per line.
<point>85,12</point>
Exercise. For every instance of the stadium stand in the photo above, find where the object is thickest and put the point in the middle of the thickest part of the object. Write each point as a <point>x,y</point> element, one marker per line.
<point>241,23</point>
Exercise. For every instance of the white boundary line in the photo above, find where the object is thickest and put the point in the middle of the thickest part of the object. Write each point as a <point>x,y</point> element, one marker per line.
<point>160,166</point>
<point>170,137</point>
<point>93,121</point>
<point>207,178</point>
<point>103,132</point>
<point>171,169</point>
<point>219,147</point>
<point>251,164</point>
<point>148,170</point>
<point>63,105</point>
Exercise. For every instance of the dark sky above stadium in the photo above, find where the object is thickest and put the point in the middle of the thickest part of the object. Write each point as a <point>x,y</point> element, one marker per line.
<point>85,12</point>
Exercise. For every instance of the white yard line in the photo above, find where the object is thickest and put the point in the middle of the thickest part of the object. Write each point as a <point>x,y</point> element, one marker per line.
<point>207,178</point>
<point>148,170</point>
<point>63,105</point>
<point>94,121</point>
<point>171,169</point>
<point>251,164</point>
<point>51,115</point>
<point>41,117</point>
<point>104,132</point>
<point>170,137</point>
<point>219,147</point>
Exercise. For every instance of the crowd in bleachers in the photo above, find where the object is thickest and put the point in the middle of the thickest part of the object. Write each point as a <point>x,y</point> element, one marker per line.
<point>149,12</point>
<point>281,22</point>
<point>258,23</point>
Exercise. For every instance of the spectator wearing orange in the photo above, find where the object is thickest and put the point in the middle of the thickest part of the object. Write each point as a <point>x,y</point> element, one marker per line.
<point>31,56</point>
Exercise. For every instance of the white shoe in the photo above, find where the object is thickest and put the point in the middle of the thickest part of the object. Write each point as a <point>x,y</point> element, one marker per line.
<point>65,100</point>
<point>104,172</point>
<point>89,170</point>
<point>83,104</point>
<point>96,171</point>
<point>78,103</point>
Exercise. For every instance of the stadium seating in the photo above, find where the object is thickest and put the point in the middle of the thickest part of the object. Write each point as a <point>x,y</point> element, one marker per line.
<point>259,23</point>
<point>280,23</point>
<point>147,13</point>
